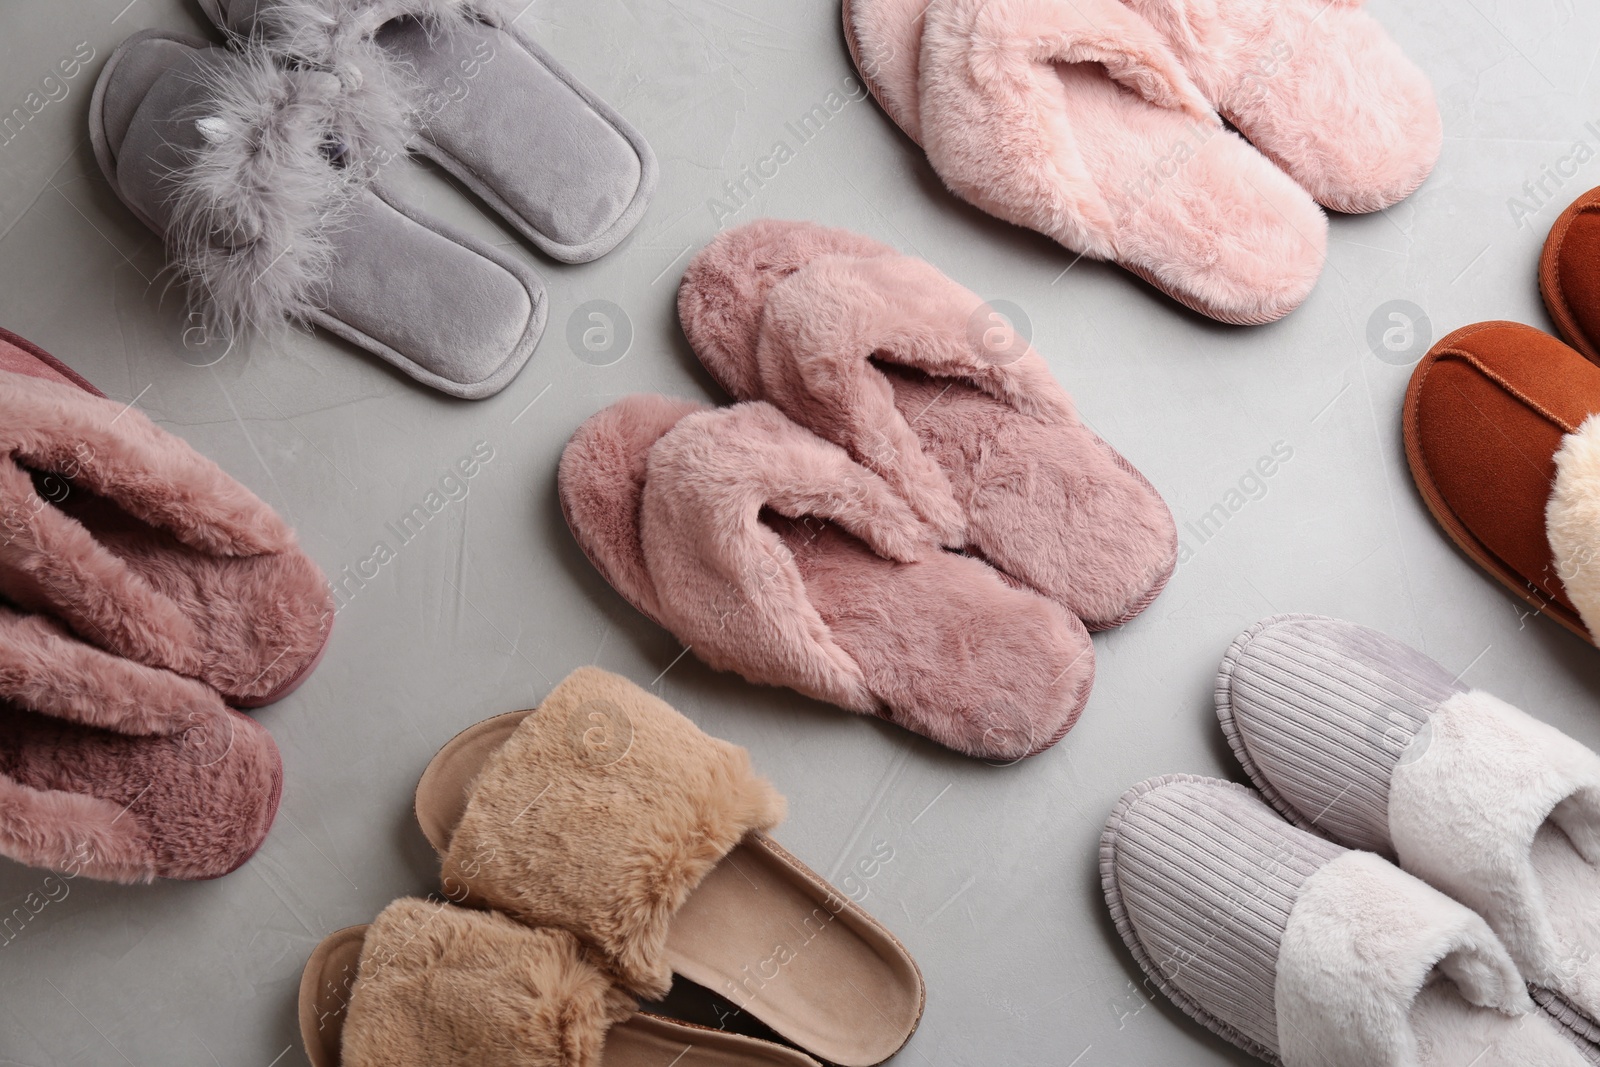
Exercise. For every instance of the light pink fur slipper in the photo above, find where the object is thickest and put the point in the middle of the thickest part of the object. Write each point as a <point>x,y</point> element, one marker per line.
<point>1317,85</point>
<point>771,553</point>
<point>144,547</point>
<point>1076,119</point>
<point>910,373</point>
<point>118,771</point>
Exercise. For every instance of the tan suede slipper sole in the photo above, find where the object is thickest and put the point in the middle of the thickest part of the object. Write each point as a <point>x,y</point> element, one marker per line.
<point>329,984</point>
<point>607,813</point>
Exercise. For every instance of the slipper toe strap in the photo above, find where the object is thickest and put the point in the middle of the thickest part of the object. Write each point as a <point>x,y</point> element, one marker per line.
<point>439,986</point>
<point>1361,942</point>
<point>823,325</point>
<point>1468,799</point>
<point>729,584</point>
<point>988,84</point>
<point>599,815</point>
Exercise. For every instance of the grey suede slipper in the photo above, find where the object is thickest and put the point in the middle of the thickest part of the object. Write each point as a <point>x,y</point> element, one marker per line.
<point>1352,734</point>
<point>1303,953</point>
<point>490,106</point>
<point>232,160</point>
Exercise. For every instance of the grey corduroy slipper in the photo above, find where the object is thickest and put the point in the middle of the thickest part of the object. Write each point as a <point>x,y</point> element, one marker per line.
<point>1306,954</point>
<point>485,102</point>
<point>234,160</point>
<point>1354,735</point>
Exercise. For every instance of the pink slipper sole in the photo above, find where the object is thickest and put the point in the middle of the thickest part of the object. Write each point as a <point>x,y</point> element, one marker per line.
<point>1076,120</point>
<point>886,357</point>
<point>144,547</point>
<point>769,552</point>
<point>1317,86</point>
<point>121,772</point>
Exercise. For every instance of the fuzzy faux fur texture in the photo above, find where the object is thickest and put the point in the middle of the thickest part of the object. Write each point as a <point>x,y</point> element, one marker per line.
<point>1318,86</point>
<point>148,549</point>
<point>440,986</point>
<point>885,356</point>
<point>1076,120</point>
<point>1502,812</point>
<point>1362,940</point>
<point>1572,520</point>
<point>608,849</point>
<point>255,207</point>
<point>117,771</point>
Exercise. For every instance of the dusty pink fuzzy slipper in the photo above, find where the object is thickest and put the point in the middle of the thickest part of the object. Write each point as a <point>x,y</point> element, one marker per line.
<point>1318,86</point>
<point>1076,119</point>
<point>118,771</point>
<point>885,356</point>
<point>144,547</point>
<point>769,552</point>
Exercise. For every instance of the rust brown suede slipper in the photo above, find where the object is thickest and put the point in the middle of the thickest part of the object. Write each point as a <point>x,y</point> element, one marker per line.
<point>1500,438</point>
<point>1569,274</point>
<point>431,985</point>
<point>608,814</point>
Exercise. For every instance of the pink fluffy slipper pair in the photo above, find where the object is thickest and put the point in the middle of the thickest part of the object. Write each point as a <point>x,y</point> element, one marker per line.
<point>142,591</point>
<point>898,517</point>
<point>1099,123</point>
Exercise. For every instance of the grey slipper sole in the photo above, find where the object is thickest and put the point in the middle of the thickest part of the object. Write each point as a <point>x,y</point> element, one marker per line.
<point>559,164</point>
<point>415,242</point>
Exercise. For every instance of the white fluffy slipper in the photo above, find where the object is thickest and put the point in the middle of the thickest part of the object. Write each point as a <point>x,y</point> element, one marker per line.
<point>1351,733</point>
<point>1306,954</point>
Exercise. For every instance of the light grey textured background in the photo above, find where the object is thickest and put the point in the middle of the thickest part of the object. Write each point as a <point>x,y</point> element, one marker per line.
<point>993,883</point>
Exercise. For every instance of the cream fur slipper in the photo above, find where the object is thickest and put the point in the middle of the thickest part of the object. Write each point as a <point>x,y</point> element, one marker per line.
<point>144,547</point>
<point>430,985</point>
<point>607,813</point>
<point>1074,118</point>
<point>1317,85</point>
<point>916,378</point>
<point>1305,954</point>
<point>772,553</point>
<point>1350,733</point>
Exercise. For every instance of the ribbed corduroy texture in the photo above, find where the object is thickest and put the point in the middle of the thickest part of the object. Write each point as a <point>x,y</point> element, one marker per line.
<point>1201,876</point>
<point>1319,712</point>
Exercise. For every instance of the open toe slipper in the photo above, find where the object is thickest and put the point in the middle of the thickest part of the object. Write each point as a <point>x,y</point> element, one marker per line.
<point>234,161</point>
<point>1500,436</point>
<point>117,771</point>
<point>888,358</point>
<point>1076,120</point>
<point>1353,734</point>
<point>1569,274</point>
<point>772,553</point>
<point>1316,85</point>
<point>147,549</point>
<point>1305,954</point>
<point>431,985</point>
<point>608,814</point>
<point>490,106</point>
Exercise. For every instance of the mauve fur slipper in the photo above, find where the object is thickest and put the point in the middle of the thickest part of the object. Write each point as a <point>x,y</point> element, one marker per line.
<point>607,813</point>
<point>772,553</point>
<point>1316,85</point>
<point>1355,735</point>
<point>117,771</point>
<point>430,985</point>
<point>1306,954</point>
<point>1076,119</point>
<point>144,547</point>
<point>908,372</point>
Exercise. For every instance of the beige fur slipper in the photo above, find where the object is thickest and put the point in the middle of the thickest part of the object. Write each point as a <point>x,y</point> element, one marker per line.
<point>608,814</point>
<point>430,985</point>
